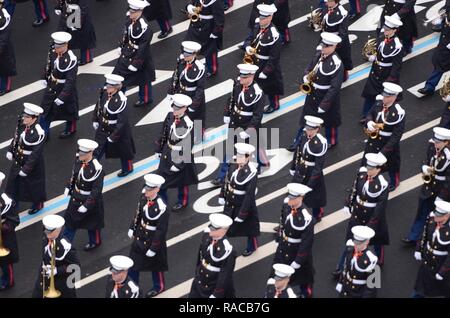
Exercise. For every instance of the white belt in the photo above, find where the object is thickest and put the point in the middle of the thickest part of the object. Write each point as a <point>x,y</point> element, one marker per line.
<point>399,1</point>
<point>290,239</point>
<point>210,267</point>
<point>176,148</point>
<point>234,191</point>
<point>134,46</point>
<point>321,86</point>
<point>27,152</point>
<point>82,191</point>
<point>112,122</point>
<point>356,281</point>
<point>189,89</point>
<point>57,80</point>
<point>206,17</point>
<point>240,112</point>
<point>262,57</point>
<point>309,163</point>
<point>384,64</point>
<point>364,203</point>
<point>435,252</point>
<point>440,178</point>
<point>385,133</point>
<point>148,227</point>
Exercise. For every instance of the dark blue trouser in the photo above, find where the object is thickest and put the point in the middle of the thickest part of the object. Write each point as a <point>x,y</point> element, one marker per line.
<point>331,133</point>
<point>317,213</point>
<point>159,282</point>
<point>306,290</point>
<point>5,83</point>
<point>425,207</point>
<point>355,7</point>
<point>212,63</point>
<point>183,195</point>
<point>252,243</point>
<point>94,236</point>
<point>9,6</point>
<point>7,278</point>
<point>86,55</point>
<point>164,25</point>
<point>433,80</point>
<point>367,106</point>
<point>274,101</point>
<point>41,9</point>
<point>145,92</point>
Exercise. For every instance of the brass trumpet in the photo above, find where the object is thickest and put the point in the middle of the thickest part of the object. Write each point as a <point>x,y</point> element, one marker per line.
<point>196,16</point>
<point>3,250</point>
<point>51,292</point>
<point>374,134</point>
<point>306,87</point>
<point>249,57</point>
<point>427,178</point>
<point>444,91</point>
<point>370,48</point>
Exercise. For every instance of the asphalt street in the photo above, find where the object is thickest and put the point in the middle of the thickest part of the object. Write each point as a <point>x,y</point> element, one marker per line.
<point>31,44</point>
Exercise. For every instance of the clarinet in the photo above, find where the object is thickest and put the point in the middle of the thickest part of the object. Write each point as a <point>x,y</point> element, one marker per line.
<point>175,77</point>
<point>48,68</point>
<point>232,102</point>
<point>16,138</point>
<point>99,112</point>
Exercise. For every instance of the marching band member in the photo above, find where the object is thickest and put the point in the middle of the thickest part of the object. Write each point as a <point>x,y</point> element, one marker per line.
<point>119,284</point>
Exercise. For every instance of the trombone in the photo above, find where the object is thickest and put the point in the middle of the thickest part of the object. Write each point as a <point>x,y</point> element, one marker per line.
<point>3,250</point>
<point>51,292</point>
<point>374,134</point>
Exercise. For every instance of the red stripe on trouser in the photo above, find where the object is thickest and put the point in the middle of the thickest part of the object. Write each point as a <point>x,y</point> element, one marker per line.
<point>333,135</point>
<point>214,62</point>
<point>262,157</point>
<point>287,35</point>
<point>11,274</point>
<point>130,165</point>
<point>167,25</point>
<point>73,126</point>
<point>358,6</point>
<point>276,99</point>
<point>320,212</point>
<point>97,237</point>
<point>309,291</point>
<point>41,6</point>
<point>161,281</point>
<point>255,243</point>
<point>381,260</point>
<point>88,55</point>
<point>146,93</point>
<point>185,195</point>
<point>397,178</point>
<point>8,83</point>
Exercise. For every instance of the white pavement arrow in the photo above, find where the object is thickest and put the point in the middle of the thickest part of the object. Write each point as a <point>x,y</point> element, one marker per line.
<point>158,113</point>
<point>413,90</point>
<point>433,11</point>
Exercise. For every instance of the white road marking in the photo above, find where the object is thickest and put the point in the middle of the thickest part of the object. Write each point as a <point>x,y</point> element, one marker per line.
<point>413,89</point>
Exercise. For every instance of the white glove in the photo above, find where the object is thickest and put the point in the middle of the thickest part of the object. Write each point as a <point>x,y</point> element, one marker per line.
<point>448,46</point>
<point>347,210</point>
<point>291,172</point>
<point>238,220</point>
<point>158,155</point>
<point>372,58</point>
<point>305,79</point>
<point>130,233</point>
<point>150,253</point>
<point>57,12</point>
<point>119,51</point>
<point>295,265</point>
<point>418,256</point>
<point>132,68</point>
<point>244,135</point>
<point>425,169</point>
<point>320,110</point>
<point>58,102</point>
<point>66,192</point>
<point>262,75</point>
<point>191,110</point>
<point>174,169</point>
<point>212,36</point>
<point>43,83</point>
<point>212,296</point>
<point>446,98</point>
<point>248,49</point>
<point>110,140</point>
<point>22,174</point>
<point>319,48</point>
<point>9,156</point>
<point>221,201</point>
<point>190,8</point>
<point>371,125</point>
<point>82,209</point>
<point>48,270</point>
<point>73,28</point>
<point>439,277</point>
<point>226,119</point>
<point>95,125</point>
<point>339,288</point>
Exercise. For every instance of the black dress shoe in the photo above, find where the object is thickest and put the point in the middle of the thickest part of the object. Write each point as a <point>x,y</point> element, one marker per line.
<point>291,147</point>
<point>425,91</point>
<point>336,273</point>
<point>391,187</point>
<point>209,74</point>
<point>33,211</point>
<point>4,92</point>
<point>353,17</point>
<point>163,35</point>
<point>330,146</point>
<point>269,110</point>
<point>276,228</point>
<point>5,287</point>
<point>178,207</point>
<point>39,22</point>
<point>218,182</point>
<point>66,134</point>
<point>247,253</point>
<point>318,219</point>
<point>152,293</point>
<point>142,103</point>
<point>122,174</point>
<point>81,63</point>
<point>90,246</point>
<point>408,242</point>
